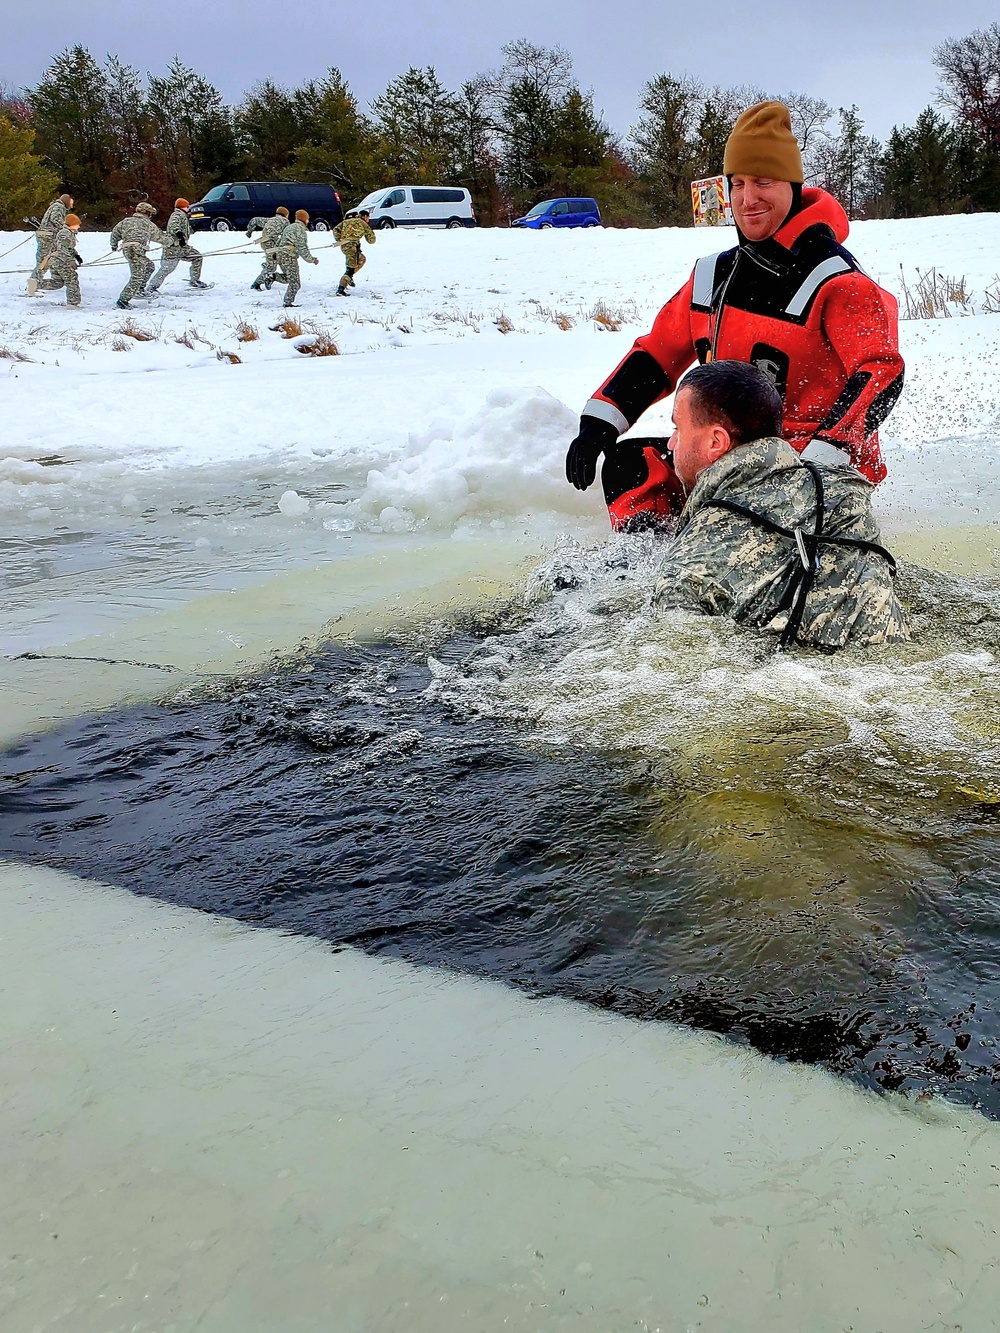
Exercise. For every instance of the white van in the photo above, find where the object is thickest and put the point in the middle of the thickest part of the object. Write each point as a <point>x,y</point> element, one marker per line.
<point>420,206</point>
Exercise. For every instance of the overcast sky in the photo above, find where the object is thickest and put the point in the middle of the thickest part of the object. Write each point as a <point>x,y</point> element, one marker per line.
<point>871,52</point>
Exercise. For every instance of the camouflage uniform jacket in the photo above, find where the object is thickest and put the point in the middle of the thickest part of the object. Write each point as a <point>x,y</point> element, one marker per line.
<point>722,563</point>
<point>63,252</point>
<point>270,230</point>
<point>54,217</point>
<point>353,230</point>
<point>178,228</point>
<point>296,237</point>
<point>137,230</point>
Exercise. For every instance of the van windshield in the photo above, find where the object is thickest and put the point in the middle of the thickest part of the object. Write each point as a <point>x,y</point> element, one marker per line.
<point>215,194</point>
<point>541,208</point>
<point>370,200</point>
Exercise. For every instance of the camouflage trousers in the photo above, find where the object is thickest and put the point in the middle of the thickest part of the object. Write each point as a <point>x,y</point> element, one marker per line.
<point>43,247</point>
<point>171,258</point>
<point>270,270</point>
<point>355,258</point>
<point>63,275</point>
<point>289,261</point>
<point>140,271</point>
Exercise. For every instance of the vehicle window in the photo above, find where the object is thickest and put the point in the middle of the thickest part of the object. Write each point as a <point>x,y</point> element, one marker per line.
<point>561,208</point>
<point>238,192</point>
<point>391,200</point>
<point>262,194</point>
<point>541,208</point>
<point>433,196</point>
<point>215,194</point>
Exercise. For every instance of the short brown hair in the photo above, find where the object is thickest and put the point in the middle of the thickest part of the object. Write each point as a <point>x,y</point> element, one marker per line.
<point>736,395</point>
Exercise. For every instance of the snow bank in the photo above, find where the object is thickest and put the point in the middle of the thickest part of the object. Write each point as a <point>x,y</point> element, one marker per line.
<point>505,460</point>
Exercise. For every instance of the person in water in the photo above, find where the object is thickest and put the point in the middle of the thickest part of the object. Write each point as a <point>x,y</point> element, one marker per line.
<point>767,536</point>
<point>789,299</point>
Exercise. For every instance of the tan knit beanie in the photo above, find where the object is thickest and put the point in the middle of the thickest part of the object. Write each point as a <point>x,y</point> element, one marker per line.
<point>762,144</point>
<point>146,208</point>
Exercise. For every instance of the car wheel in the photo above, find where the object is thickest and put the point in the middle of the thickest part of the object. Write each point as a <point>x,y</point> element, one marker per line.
<point>544,226</point>
<point>591,224</point>
<point>386,224</point>
<point>321,224</point>
<point>221,224</point>
<point>454,222</point>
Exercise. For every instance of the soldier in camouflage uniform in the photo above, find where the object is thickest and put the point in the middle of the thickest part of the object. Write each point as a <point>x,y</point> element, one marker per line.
<point>178,231</point>
<point>765,537</point>
<point>293,246</point>
<point>135,234</point>
<point>348,235</point>
<point>53,219</point>
<point>270,229</point>
<point>64,262</point>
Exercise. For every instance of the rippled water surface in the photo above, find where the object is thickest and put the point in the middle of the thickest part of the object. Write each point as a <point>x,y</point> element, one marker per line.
<point>658,815</point>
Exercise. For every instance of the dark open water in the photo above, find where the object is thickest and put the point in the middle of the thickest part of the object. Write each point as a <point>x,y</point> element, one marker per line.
<point>339,797</point>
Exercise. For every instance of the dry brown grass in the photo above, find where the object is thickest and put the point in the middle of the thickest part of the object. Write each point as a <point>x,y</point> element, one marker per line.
<point>128,328</point>
<point>935,296</point>
<point>12,354</point>
<point>606,318</point>
<point>288,328</point>
<point>503,323</point>
<point>185,340</point>
<point>245,331</point>
<point>122,345</point>
<point>320,344</point>
<point>231,357</point>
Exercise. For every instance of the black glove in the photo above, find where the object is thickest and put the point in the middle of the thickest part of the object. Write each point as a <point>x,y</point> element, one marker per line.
<point>581,460</point>
<point>78,258</point>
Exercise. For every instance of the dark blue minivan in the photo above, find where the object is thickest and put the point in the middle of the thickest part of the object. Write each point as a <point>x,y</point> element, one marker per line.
<point>230,207</point>
<point>561,213</point>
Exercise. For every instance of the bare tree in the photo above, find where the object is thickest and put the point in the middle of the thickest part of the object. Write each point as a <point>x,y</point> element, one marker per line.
<point>970,74</point>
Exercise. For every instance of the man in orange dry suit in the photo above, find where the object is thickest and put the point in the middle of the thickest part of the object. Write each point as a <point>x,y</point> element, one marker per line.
<point>790,300</point>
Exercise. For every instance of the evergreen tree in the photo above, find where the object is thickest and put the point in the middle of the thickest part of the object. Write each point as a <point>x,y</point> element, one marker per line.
<point>415,119</point>
<point>26,184</point>
<point>270,130</point>
<point>192,129</point>
<point>128,129</point>
<point>663,147</point>
<point>476,165</point>
<point>526,92</point>
<point>72,122</point>
<point>851,166</point>
<point>341,148</point>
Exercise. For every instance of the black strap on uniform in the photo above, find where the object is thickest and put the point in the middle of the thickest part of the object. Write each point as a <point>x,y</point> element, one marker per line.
<point>807,545</point>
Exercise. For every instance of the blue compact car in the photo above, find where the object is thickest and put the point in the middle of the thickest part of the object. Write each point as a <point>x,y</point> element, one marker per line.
<point>561,213</point>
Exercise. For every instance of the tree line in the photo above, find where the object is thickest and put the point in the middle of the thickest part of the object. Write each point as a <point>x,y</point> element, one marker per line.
<point>514,135</point>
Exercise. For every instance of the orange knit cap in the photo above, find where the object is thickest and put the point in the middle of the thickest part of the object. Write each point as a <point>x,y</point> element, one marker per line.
<point>762,144</point>
<point>181,203</point>
<point>301,215</point>
<point>282,210</point>
<point>72,220</point>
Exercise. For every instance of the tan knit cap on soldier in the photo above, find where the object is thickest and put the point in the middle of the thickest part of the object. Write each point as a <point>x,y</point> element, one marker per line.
<point>762,144</point>
<point>145,207</point>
